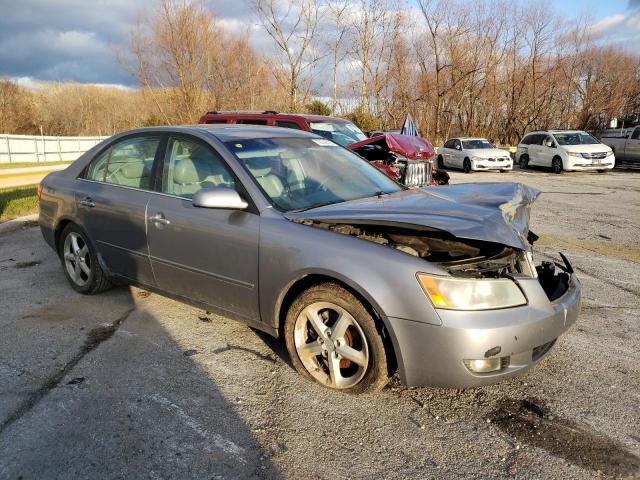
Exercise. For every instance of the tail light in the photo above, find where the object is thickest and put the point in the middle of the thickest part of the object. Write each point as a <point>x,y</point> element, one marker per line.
<point>40,188</point>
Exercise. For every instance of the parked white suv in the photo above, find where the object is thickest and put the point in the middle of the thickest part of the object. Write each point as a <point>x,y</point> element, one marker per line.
<point>564,150</point>
<point>473,154</point>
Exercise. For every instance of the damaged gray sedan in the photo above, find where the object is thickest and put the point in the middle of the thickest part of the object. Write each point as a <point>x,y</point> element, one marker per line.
<point>302,239</point>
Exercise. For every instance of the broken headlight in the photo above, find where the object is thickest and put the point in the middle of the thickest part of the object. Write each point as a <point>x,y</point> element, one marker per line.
<point>471,294</point>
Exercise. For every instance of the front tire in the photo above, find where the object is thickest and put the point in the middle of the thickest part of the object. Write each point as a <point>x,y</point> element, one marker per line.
<point>333,340</point>
<point>80,262</point>
<point>556,165</point>
<point>524,161</point>
<point>466,165</point>
<point>440,162</point>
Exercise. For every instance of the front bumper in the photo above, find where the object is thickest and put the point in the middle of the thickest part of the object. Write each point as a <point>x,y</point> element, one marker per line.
<point>491,165</point>
<point>431,355</point>
<point>585,164</point>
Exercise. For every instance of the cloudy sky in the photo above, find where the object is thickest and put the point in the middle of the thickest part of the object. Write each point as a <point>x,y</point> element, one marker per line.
<point>77,39</point>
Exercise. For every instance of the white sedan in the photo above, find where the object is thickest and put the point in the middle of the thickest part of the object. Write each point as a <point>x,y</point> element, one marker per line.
<point>473,154</point>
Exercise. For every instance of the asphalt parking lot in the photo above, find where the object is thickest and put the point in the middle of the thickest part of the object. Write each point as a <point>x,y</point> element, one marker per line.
<point>131,384</point>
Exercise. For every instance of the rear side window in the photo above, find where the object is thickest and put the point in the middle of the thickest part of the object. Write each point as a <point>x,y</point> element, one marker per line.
<point>636,134</point>
<point>449,143</point>
<point>127,163</point>
<point>190,166</point>
<point>217,121</point>
<point>457,144</point>
<point>285,124</point>
<point>251,121</point>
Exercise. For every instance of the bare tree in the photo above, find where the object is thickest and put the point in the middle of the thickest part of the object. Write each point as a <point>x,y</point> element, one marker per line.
<point>292,24</point>
<point>339,12</point>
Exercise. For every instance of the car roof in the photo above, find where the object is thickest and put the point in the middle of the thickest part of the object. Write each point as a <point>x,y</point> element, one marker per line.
<point>283,115</point>
<point>547,132</point>
<point>224,132</point>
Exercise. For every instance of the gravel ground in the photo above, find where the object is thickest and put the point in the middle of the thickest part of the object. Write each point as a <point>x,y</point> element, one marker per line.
<point>131,384</point>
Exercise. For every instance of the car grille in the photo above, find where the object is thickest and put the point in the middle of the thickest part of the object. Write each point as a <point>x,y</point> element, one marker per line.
<point>417,173</point>
<point>492,159</point>
<point>595,155</point>
<point>540,350</point>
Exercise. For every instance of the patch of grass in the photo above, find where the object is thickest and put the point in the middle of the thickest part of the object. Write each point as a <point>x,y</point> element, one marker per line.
<point>16,202</point>
<point>4,166</point>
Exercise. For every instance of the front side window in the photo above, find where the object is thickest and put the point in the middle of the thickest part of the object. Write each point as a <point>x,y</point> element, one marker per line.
<point>477,144</point>
<point>127,163</point>
<point>251,121</point>
<point>302,173</point>
<point>343,133</point>
<point>286,124</point>
<point>636,134</point>
<point>575,138</point>
<point>190,166</point>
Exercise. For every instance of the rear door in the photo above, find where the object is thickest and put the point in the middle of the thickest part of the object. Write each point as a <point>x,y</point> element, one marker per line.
<point>208,255</point>
<point>111,199</point>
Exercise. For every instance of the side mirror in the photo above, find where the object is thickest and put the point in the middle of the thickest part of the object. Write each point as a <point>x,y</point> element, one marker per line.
<point>219,197</point>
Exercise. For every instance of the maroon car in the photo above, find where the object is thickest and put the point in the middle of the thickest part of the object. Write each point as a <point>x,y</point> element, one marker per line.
<point>408,160</point>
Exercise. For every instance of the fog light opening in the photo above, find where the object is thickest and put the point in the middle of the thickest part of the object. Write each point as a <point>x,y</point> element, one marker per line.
<point>487,365</point>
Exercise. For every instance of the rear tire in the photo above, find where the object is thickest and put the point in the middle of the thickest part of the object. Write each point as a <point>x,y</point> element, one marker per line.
<point>466,165</point>
<point>80,261</point>
<point>556,165</point>
<point>316,340</point>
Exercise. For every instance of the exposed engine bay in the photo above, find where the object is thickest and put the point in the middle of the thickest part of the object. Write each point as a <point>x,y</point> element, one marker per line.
<point>462,258</point>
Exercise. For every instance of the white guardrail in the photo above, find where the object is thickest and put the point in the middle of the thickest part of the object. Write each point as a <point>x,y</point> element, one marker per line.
<point>36,148</point>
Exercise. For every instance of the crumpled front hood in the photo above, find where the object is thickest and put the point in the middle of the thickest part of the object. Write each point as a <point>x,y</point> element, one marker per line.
<point>414,148</point>
<point>492,212</point>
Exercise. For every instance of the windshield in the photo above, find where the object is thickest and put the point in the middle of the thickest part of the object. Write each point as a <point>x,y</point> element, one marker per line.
<point>343,133</point>
<point>575,138</point>
<point>476,144</point>
<point>302,173</point>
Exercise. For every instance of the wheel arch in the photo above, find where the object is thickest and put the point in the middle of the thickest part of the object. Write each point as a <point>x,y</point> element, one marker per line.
<point>310,279</point>
<point>57,231</point>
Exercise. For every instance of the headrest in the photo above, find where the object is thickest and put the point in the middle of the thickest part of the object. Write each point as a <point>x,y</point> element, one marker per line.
<point>135,170</point>
<point>259,166</point>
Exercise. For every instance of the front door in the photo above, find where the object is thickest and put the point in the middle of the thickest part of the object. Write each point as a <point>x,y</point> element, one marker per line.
<point>548,150</point>
<point>457,155</point>
<point>632,148</point>
<point>205,254</point>
<point>111,199</point>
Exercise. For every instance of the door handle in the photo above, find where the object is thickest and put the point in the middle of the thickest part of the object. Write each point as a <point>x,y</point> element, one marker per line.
<point>159,218</point>
<point>87,202</point>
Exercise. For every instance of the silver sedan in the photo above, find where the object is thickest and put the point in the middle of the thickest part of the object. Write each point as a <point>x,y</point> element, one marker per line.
<point>302,239</point>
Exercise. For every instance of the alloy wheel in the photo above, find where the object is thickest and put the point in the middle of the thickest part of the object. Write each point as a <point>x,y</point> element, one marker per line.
<point>331,345</point>
<point>466,166</point>
<point>77,260</point>
<point>556,166</point>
